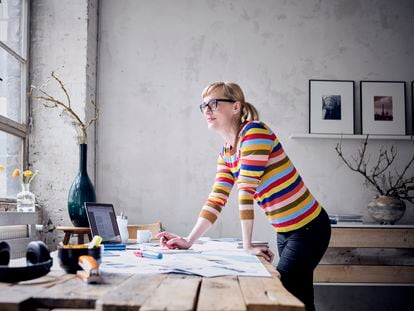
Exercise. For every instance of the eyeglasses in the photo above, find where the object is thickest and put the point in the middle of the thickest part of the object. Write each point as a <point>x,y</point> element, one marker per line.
<point>213,103</point>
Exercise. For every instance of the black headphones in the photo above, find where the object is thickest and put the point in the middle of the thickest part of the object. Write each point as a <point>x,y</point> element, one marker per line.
<point>38,262</point>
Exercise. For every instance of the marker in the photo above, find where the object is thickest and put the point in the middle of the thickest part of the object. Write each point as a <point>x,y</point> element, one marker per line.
<point>147,254</point>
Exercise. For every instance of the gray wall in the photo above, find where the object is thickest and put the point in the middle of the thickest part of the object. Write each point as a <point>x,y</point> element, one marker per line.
<point>155,156</point>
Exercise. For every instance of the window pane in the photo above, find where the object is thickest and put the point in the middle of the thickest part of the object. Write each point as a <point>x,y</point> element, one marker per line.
<point>11,156</point>
<point>11,25</point>
<point>10,87</point>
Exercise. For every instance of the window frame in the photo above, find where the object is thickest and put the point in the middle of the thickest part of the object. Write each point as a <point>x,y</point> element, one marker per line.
<point>7,125</point>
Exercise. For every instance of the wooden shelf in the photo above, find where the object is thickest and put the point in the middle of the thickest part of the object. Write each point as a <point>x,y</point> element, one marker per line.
<point>349,136</point>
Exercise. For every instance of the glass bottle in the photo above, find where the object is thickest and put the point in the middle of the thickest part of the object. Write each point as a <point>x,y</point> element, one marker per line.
<point>25,199</point>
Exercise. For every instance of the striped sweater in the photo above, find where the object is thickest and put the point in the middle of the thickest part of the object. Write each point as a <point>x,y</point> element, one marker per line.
<point>262,172</point>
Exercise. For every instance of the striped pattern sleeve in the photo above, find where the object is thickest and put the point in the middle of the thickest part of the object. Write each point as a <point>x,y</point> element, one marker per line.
<point>220,191</point>
<point>255,148</point>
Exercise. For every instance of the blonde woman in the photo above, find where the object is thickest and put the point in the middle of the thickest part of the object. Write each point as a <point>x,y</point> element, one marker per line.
<point>254,160</point>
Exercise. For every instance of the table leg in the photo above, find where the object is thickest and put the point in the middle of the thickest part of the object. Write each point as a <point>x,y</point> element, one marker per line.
<point>66,238</point>
<point>80,238</point>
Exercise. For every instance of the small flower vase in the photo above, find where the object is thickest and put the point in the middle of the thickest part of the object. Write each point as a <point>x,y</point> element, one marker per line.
<point>81,191</point>
<point>25,199</point>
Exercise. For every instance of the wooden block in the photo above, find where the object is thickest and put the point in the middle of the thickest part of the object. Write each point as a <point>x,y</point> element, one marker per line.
<point>176,292</point>
<point>75,293</point>
<point>221,293</point>
<point>363,274</point>
<point>130,294</point>
<point>372,237</point>
<point>267,294</point>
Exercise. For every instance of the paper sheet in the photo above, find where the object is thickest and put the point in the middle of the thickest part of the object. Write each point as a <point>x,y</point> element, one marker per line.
<point>209,259</point>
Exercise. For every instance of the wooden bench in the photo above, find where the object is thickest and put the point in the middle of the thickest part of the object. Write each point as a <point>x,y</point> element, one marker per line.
<point>368,254</point>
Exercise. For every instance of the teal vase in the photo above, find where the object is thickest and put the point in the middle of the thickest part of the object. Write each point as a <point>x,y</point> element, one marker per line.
<point>81,191</point>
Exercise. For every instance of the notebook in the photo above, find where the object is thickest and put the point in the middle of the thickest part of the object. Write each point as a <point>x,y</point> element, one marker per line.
<point>102,221</point>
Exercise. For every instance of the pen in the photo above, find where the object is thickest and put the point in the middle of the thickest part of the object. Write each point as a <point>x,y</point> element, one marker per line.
<point>148,254</point>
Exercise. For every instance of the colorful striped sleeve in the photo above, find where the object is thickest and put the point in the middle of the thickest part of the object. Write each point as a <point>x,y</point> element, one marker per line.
<point>255,147</point>
<point>221,189</point>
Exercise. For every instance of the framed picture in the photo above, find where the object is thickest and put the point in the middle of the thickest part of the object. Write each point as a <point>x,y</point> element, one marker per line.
<point>383,107</point>
<point>331,106</point>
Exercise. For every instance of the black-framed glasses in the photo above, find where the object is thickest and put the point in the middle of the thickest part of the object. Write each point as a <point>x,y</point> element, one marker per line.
<point>213,103</point>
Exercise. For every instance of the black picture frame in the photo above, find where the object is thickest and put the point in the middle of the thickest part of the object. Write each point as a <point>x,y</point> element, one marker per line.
<point>342,119</point>
<point>376,119</point>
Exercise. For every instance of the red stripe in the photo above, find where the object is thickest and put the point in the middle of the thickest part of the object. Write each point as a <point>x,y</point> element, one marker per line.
<point>285,196</point>
<point>278,182</point>
<point>299,218</point>
<point>277,153</point>
<point>230,181</point>
<point>214,202</point>
<point>255,136</point>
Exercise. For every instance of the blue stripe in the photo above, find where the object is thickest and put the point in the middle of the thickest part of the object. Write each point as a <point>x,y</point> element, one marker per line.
<point>277,147</point>
<point>257,141</point>
<point>252,167</point>
<point>252,126</point>
<point>283,191</point>
<point>296,214</point>
<point>225,184</point>
<point>276,177</point>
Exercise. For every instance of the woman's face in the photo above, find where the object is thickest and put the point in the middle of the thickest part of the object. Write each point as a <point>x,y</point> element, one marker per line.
<point>223,115</point>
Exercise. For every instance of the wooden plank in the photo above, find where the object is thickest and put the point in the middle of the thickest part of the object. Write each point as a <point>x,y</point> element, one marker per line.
<point>364,274</point>
<point>75,293</point>
<point>221,293</point>
<point>16,298</point>
<point>130,294</point>
<point>372,237</point>
<point>176,292</point>
<point>267,294</point>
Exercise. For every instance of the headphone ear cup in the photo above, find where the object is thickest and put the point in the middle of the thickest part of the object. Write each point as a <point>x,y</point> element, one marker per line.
<point>37,252</point>
<point>4,253</point>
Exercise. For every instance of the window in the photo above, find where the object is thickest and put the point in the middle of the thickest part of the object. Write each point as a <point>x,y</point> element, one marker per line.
<point>13,91</point>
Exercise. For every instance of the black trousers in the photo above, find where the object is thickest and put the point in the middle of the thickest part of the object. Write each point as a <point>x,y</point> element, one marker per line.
<point>300,252</point>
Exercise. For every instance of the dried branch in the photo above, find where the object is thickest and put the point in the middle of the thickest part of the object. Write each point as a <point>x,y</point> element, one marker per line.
<point>50,102</point>
<point>393,184</point>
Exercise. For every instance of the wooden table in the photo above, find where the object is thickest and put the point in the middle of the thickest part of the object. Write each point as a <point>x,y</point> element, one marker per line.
<point>373,266</point>
<point>149,292</point>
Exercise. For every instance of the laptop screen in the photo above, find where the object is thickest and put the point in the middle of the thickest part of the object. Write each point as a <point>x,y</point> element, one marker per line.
<point>102,220</point>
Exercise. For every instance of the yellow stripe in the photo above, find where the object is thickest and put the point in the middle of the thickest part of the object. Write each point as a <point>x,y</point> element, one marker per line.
<point>275,171</point>
<point>256,147</point>
<point>301,223</point>
<point>221,188</point>
<point>250,173</point>
<point>287,183</point>
<point>292,210</point>
<point>256,131</point>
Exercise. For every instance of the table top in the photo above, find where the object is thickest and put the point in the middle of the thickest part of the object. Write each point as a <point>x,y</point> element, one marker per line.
<point>150,292</point>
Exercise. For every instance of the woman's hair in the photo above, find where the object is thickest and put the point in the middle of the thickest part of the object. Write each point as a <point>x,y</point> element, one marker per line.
<point>233,91</point>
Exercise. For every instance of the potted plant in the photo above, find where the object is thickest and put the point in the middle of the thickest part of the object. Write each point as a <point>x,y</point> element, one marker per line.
<point>393,188</point>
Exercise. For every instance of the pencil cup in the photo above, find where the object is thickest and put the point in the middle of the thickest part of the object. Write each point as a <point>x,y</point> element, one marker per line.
<point>123,228</point>
<point>144,236</point>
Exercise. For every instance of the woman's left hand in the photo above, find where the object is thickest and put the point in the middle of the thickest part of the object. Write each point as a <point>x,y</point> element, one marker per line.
<point>262,251</point>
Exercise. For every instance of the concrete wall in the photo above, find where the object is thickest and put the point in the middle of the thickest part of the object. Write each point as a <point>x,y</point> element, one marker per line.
<point>63,39</point>
<point>156,158</point>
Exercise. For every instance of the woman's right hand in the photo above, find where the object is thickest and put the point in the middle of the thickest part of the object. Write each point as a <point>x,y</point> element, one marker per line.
<point>172,240</point>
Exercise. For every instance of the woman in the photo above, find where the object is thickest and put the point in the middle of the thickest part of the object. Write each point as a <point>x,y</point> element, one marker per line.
<point>253,158</point>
